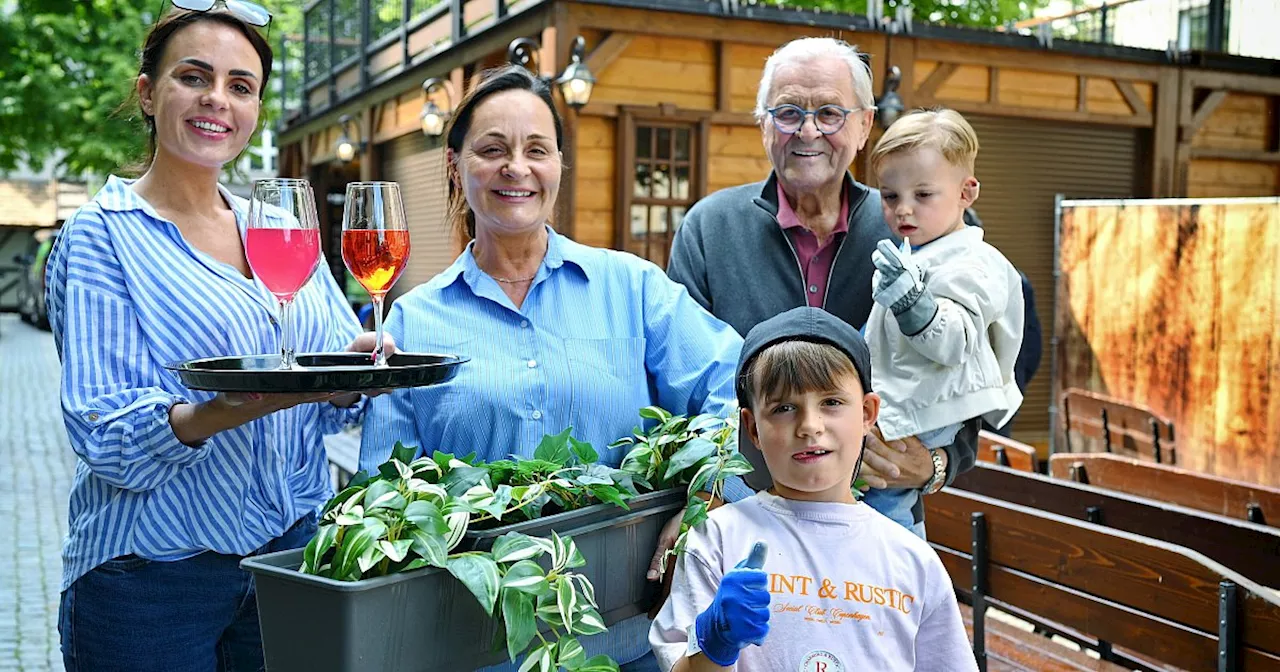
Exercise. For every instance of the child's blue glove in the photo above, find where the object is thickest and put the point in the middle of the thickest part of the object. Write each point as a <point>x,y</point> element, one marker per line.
<point>903,287</point>
<point>739,614</point>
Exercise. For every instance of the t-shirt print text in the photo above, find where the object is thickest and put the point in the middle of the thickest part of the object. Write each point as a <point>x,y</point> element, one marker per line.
<point>851,592</point>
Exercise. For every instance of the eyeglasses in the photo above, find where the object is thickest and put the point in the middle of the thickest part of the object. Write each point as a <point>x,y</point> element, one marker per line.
<point>828,118</point>
<point>251,13</point>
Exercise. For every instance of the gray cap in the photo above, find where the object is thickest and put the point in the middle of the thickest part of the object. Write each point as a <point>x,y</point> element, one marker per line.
<point>806,324</point>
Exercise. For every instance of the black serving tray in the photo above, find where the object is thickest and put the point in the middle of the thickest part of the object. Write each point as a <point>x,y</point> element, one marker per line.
<point>319,372</point>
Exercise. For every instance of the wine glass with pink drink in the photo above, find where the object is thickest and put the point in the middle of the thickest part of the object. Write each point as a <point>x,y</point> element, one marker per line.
<point>282,245</point>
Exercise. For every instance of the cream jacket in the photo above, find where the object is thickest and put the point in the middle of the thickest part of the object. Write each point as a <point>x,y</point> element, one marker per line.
<point>961,366</point>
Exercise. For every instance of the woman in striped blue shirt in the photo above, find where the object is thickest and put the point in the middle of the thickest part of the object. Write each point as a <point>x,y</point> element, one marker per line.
<point>559,334</point>
<point>172,485</point>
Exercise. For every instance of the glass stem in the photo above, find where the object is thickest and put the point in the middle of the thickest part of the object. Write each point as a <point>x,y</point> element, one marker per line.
<point>379,358</point>
<point>286,335</point>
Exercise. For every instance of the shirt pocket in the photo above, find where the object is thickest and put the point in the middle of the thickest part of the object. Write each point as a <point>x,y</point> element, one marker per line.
<point>609,385</point>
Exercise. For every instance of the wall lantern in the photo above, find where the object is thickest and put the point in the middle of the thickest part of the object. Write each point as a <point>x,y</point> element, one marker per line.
<point>346,149</point>
<point>434,118</point>
<point>890,105</point>
<point>575,83</point>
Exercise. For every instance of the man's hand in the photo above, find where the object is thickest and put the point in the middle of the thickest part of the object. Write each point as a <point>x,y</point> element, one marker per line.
<point>904,463</point>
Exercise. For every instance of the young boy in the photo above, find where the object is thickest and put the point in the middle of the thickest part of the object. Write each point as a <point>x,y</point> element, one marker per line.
<point>946,326</point>
<point>835,586</point>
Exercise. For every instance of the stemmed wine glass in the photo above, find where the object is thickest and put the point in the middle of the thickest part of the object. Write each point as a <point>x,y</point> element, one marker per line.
<point>282,245</point>
<point>375,244</point>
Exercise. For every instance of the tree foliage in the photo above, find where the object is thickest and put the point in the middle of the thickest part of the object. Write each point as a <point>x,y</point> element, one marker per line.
<point>67,73</point>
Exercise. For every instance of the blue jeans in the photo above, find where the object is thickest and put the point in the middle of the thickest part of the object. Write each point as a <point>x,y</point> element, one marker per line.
<point>199,614</point>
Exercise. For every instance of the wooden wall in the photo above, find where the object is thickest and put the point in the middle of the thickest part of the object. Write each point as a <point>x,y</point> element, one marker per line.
<point>593,175</point>
<point>1229,135</point>
<point>1174,304</point>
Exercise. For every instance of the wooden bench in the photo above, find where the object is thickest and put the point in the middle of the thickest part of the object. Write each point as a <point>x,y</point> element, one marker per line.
<point>1010,649</point>
<point>1250,549</point>
<point>1005,452</point>
<point>1098,423</point>
<point>1137,601</point>
<point>1205,492</point>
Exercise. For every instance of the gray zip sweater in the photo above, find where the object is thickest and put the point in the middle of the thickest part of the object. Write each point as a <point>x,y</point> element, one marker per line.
<point>735,259</point>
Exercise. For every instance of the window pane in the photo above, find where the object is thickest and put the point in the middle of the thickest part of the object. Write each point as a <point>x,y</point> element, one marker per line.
<point>639,221</point>
<point>644,138</point>
<point>643,181</point>
<point>681,190</point>
<point>658,220</point>
<point>677,216</point>
<point>664,143</point>
<point>682,143</point>
<point>662,181</point>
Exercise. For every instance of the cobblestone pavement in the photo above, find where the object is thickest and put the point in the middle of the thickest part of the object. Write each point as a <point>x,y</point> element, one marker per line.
<point>36,467</point>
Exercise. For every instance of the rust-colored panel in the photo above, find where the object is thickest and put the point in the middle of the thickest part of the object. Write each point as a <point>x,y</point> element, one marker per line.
<point>1173,305</point>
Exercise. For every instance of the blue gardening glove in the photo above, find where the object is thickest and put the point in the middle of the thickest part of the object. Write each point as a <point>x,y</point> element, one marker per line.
<point>739,614</point>
<point>902,287</point>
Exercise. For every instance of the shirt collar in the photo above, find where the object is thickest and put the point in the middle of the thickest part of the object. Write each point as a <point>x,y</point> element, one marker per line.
<point>787,218</point>
<point>559,250</point>
<point>118,196</point>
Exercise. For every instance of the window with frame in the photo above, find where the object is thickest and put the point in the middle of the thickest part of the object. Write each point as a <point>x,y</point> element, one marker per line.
<point>660,182</point>
<point>1193,24</point>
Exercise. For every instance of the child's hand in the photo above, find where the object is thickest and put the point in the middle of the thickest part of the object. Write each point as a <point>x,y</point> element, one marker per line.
<point>739,614</point>
<point>903,287</point>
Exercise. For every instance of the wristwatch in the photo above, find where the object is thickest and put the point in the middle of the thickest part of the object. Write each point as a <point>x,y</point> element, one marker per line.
<point>939,477</point>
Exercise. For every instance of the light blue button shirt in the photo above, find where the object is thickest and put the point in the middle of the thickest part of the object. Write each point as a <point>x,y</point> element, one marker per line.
<point>601,334</point>
<point>127,294</point>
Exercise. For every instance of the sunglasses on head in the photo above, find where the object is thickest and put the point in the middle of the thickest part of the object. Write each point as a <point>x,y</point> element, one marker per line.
<point>251,13</point>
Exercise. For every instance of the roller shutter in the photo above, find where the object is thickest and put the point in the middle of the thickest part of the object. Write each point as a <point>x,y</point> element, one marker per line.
<point>419,168</point>
<point>1022,164</point>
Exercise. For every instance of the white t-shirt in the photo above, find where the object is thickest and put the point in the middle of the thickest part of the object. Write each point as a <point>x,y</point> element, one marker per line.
<point>849,590</point>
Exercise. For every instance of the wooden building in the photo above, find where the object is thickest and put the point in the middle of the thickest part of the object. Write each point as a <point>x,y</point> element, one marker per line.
<point>669,119</point>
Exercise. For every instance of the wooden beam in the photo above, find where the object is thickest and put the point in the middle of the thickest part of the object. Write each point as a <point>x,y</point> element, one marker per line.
<point>1202,113</point>
<point>1165,136</point>
<point>929,88</point>
<point>1082,94</point>
<point>557,46</point>
<point>981,107</point>
<point>1026,59</point>
<point>611,111</point>
<point>993,86</point>
<point>724,62</point>
<point>1257,156</point>
<point>1234,82</point>
<point>1131,97</point>
<point>607,51</point>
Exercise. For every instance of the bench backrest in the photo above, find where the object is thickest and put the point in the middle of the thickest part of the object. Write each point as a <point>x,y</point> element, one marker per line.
<point>997,449</point>
<point>1098,423</point>
<point>1160,601</point>
<point>1250,549</point>
<point>1205,492</point>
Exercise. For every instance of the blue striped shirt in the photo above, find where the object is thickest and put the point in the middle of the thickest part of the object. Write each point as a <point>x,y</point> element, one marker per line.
<point>600,335</point>
<point>127,294</point>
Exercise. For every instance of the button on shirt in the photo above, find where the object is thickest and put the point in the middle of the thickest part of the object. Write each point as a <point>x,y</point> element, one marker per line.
<point>815,259</point>
<point>607,334</point>
<point>127,294</point>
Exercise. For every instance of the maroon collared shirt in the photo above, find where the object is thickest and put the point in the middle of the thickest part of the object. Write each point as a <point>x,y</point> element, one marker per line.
<point>815,259</point>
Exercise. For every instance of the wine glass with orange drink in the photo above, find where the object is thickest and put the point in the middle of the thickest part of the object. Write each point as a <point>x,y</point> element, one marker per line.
<point>375,244</point>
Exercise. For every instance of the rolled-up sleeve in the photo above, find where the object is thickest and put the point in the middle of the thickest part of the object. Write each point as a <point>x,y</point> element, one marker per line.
<point>115,409</point>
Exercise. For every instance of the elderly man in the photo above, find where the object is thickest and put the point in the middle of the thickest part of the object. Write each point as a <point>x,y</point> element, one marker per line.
<point>805,235</point>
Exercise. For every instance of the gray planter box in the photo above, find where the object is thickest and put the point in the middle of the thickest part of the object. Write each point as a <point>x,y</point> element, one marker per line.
<point>426,619</point>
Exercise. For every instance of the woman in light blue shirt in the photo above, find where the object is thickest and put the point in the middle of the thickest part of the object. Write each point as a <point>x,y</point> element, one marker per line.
<point>172,485</point>
<point>559,334</point>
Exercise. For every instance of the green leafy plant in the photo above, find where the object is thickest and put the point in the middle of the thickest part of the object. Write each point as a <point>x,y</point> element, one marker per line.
<point>699,451</point>
<point>413,512</point>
